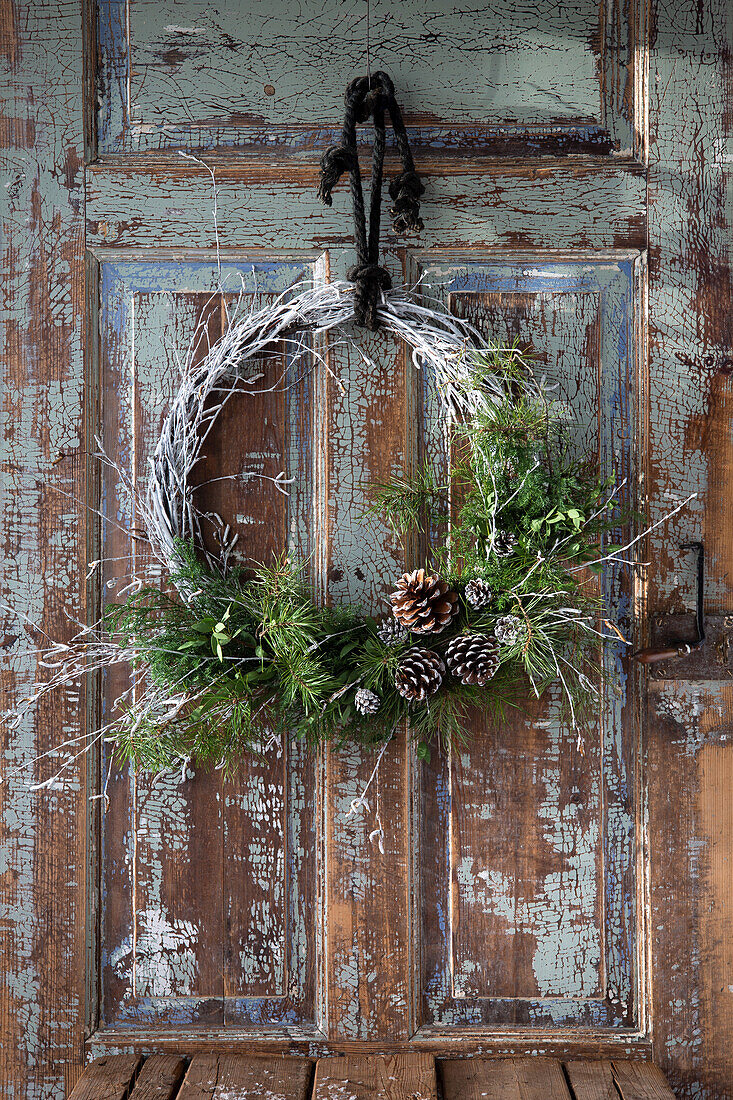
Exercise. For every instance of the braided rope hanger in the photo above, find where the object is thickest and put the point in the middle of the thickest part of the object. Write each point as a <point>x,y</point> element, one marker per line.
<point>370,97</point>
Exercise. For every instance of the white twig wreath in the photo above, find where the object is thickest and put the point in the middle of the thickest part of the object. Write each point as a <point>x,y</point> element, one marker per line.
<point>439,342</point>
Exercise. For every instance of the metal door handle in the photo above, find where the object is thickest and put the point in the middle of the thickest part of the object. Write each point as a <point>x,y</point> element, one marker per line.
<point>679,648</point>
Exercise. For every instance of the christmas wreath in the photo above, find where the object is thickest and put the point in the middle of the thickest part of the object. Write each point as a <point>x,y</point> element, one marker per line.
<point>229,656</point>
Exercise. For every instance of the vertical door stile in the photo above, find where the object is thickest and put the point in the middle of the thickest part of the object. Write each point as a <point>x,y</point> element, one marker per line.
<point>367,908</point>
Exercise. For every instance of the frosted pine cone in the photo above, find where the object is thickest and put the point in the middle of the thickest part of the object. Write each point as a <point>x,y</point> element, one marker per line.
<point>509,630</point>
<point>478,594</point>
<point>423,604</point>
<point>472,658</point>
<point>504,543</point>
<point>392,632</point>
<point>419,675</point>
<point>366,701</point>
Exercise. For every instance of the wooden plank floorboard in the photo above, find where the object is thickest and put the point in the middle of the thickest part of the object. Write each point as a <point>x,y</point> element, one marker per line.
<point>239,1077</point>
<point>408,1076</point>
<point>160,1078</point>
<point>108,1078</point>
<point>591,1080</point>
<point>641,1081</point>
<point>201,1078</point>
<point>617,1080</point>
<point>376,1077</point>
<point>504,1079</point>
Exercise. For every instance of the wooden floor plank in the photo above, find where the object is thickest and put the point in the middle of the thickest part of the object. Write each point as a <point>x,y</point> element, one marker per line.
<point>591,1080</point>
<point>241,1077</point>
<point>617,1080</point>
<point>641,1081</point>
<point>504,1079</point>
<point>159,1078</point>
<point>376,1077</point>
<point>107,1078</point>
<point>201,1077</point>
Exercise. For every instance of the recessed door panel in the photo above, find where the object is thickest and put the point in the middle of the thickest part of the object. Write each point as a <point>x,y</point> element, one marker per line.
<point>527,866</point>
<point>542,78</point>
<point>209,880</point>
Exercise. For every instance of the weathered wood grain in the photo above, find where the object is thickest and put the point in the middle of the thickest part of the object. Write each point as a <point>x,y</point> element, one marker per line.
<point>640,1081</point>
<point>109,1078</point>
<point>376,1077</point>
<point>622,1080</point>
<point>43,836</point>
<point>411,1076</point>
<point>504,1079</point>
<point>159,1078</point>
<point>688,733</point>
<point>241,1077</point>
<point>515,206</point>
<point>690,769</point>
<point>312,1042</point>
<point>591,1080</point>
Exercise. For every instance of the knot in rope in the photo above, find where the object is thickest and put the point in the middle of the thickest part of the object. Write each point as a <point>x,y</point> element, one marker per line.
<point>336,160</point>
<point>370,281</point>
<point>405,190</point>
<point>367,98</point>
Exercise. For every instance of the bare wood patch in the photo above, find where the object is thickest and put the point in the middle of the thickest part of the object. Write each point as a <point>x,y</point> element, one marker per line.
<point>618,1080</point>
<point>108,1078</point>
<point>504,1079</point>
<point>376,1077</point>
<point>239,1077</point>
<point>160,1077</point>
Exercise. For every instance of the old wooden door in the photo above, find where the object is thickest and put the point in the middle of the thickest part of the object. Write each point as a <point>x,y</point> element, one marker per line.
<point>515,905</point>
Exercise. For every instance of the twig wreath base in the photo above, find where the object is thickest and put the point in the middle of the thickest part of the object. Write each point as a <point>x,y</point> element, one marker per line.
<point>230,659</point>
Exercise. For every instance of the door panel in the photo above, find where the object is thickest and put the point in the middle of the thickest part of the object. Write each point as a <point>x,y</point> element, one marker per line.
<point>528,881</point>
<point>543,78</point>
<point>210,902</point>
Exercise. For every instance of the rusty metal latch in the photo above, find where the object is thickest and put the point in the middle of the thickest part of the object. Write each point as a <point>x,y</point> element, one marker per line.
<point>680,647</point>
<point>687,648</point>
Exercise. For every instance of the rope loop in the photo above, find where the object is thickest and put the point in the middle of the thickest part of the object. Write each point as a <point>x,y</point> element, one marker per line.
<point>367,98</point>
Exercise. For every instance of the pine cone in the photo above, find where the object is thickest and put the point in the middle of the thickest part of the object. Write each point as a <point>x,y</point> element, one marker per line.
<point>391,632</point>
<point>419,675</point>
<point>472,658</point>
<point>366,701</point>
<point>504,543</point>
<point>478,593</point>
<point>423,604</point>
<point>509,630</point>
